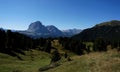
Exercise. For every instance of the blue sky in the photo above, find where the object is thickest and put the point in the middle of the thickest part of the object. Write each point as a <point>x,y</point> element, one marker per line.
<point>64,14</point>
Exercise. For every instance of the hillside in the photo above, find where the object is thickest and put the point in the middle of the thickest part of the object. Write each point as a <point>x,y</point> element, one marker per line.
<point>31,62</point>
<point>109,23</point>
<point>94,62</point>
<point>34,60</point>
<point>109,31</point>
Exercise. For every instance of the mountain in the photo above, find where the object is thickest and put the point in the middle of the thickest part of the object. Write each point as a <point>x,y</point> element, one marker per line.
<point>37,27</point>
<point>71,32</point>
<point>109,31</point>
<point>54,31</point>
<point>1,28</point>
<point>37,30</point>
<point>7,29</point>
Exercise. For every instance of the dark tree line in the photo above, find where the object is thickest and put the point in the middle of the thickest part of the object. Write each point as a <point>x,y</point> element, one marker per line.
<point>100,45</point>
<point>43,44</point>
<point>79,47</point>
<point>13,42</point>
<point>75,46</point>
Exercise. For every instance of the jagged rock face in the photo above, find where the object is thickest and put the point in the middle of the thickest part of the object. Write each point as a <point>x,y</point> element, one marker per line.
<point>54,31</point>
<point>37,30</point>
<point>109,31</point>
<point>37,27</point>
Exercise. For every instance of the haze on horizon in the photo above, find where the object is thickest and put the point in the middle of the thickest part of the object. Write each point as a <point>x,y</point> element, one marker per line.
<point>64,14</point>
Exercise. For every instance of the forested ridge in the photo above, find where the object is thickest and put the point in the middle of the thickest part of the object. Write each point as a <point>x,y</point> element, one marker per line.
<point>13,42</point>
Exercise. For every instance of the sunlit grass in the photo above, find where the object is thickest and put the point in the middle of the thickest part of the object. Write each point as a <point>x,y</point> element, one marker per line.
<point>33,60</point>
<point>28,64</point>
<point>93,62</point>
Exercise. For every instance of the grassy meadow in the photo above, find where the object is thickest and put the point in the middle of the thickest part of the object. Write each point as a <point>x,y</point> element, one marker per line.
<point>94,62</point>
<point>33,60</point>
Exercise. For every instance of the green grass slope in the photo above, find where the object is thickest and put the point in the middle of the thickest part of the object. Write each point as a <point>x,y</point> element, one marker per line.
<point>94,62</point>
<point>32,61</point>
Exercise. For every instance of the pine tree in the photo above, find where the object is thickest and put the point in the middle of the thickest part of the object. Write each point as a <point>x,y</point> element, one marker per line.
<point>9,39</point>
<point>2,40</point>
<point>55,56</point>
<point>48,46</point>
<point>65,55</point>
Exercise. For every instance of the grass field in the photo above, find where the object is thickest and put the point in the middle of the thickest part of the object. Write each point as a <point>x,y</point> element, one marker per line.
<point>93,62</point>
<point>31,62</point>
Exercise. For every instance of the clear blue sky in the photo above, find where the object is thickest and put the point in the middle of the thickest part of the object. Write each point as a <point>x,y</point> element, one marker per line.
<point>64,14</point>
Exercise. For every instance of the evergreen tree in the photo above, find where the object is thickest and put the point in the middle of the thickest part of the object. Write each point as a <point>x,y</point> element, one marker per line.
<point>48,46</point>
<point>88,48</point>
<point>9,40</point>
<point>2,39</point>
<point>65,55</point>
<point>55,56</point>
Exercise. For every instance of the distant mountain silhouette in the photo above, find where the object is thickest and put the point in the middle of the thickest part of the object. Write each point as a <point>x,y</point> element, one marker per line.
<point>71,32</point>
<point>37,30</point>
<point>107,30</point>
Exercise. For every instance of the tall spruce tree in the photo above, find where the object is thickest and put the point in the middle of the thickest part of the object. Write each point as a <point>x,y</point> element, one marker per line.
<point>48,46</point>
<point>2,40</point>
<point>55,56</point>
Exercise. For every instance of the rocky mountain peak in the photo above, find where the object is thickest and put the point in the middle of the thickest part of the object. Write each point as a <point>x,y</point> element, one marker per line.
<point>37,27</point>
<point>51,28</point>
<point>37,30</point>
<point>54,30</point>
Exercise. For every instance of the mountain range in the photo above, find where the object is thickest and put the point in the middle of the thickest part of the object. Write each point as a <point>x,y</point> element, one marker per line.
<point>109,31</point>
<point>37,30</point>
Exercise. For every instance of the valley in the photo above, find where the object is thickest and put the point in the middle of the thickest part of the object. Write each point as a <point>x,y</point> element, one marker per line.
<point>83,52</point>
<point>59,35</point>
<point>94,62</point>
